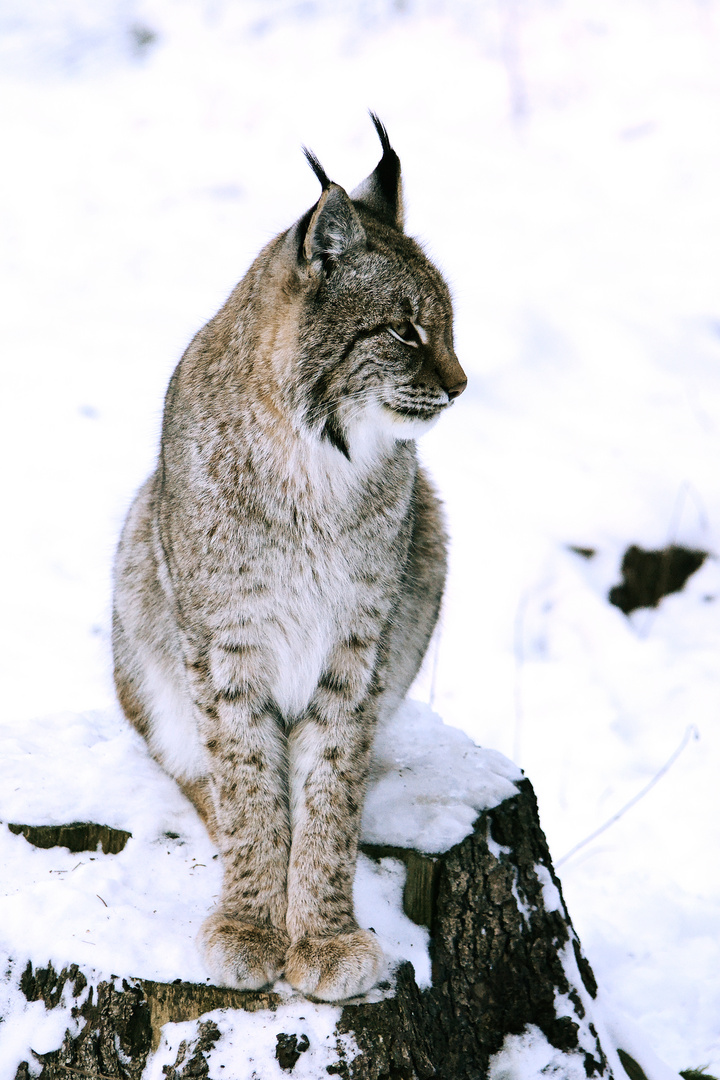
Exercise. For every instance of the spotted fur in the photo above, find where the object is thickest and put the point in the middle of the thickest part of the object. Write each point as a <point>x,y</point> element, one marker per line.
<point>280,573</point>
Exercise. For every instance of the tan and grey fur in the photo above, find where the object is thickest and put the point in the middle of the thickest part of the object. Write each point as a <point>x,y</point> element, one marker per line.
<point>280,573</point>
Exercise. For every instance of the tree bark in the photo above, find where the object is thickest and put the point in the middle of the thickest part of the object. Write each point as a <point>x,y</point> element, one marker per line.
<point>504,957</point>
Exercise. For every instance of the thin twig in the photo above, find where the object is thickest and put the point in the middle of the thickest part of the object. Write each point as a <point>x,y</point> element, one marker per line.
<point>691,733</point>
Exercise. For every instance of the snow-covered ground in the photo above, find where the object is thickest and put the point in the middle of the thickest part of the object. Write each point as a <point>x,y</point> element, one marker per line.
<point>137,913</point>
<point>562,164</point>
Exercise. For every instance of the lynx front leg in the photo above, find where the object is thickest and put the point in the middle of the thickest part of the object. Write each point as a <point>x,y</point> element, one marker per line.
<point>245,938</point>
<point>330,958</point>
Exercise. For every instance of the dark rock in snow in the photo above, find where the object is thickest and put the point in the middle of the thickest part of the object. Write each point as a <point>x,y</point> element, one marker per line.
<point>77,836</point>
<point>650,575</point>
<point>289,1048</point>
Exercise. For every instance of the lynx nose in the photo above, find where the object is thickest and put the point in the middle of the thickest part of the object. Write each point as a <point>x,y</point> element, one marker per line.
<point>452,377</point>
<point>455,391</point>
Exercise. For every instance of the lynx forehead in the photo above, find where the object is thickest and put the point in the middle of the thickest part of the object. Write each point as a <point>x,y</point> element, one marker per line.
<point>280,573</point>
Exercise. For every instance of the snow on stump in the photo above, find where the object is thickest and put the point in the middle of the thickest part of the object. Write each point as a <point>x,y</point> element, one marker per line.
<point>511,997</point>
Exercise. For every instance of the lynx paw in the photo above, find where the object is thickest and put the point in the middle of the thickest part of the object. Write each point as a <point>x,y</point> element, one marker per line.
<point>241,955</point>
<point>334,968</point>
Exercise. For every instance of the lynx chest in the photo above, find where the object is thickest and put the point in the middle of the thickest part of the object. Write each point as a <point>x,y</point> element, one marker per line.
<point>312,589</point>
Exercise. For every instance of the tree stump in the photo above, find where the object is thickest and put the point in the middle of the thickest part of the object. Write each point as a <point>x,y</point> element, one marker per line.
<point>508,976</point>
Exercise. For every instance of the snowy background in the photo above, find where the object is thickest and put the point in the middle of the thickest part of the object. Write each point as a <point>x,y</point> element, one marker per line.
<point>562,166</point>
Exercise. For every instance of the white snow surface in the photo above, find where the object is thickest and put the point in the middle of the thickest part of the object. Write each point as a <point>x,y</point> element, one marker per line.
<point>430,782</point>
<point>562,164</point>
<point>137,913</point>
<point>531,1057</point>
<point>248,1040</point>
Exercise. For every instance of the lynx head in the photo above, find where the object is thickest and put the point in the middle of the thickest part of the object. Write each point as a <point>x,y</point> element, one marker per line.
<point>374,338</point>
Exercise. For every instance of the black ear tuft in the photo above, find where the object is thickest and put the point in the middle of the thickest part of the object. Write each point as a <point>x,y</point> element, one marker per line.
<point>382,133</point>
<point>317,168</point>
<point>381,192</point>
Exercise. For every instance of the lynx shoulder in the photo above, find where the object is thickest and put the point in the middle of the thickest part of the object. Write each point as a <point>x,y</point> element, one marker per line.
<point>280,573</point>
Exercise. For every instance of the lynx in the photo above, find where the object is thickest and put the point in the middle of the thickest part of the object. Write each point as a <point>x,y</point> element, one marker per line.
<point>280,573</point>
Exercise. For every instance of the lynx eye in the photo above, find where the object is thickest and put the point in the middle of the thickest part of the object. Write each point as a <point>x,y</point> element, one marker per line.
<point>409,333</point>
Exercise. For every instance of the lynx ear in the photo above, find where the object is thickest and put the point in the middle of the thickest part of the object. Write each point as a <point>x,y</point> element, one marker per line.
<point>381,192</point>
<point>334,228</point>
